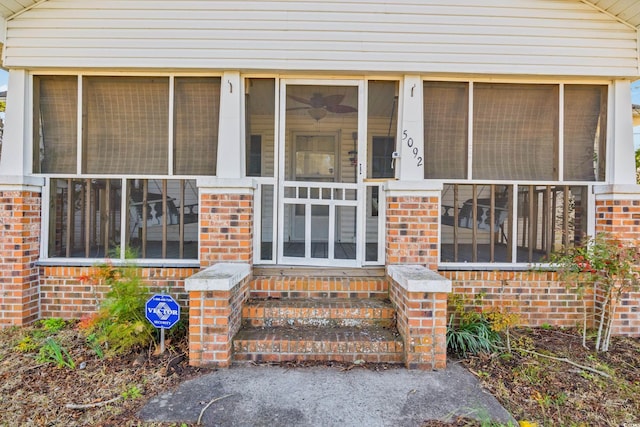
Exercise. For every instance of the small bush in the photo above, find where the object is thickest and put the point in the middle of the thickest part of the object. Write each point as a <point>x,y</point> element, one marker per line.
<point>471,337</point>
<point>52,352</point>
<point>469,331</point>
<point>120,324</point>
<point>27,345</point>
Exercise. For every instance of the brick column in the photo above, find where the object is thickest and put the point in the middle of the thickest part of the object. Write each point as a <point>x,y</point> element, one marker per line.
<point>413,210</point>
<point>216,296</point>
<point>618,213</point>
<point>420,298</point>
<point>226,221</point>
<point>19,250</point>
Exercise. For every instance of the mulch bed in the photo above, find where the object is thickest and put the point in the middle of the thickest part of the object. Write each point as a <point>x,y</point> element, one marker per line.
<point>533,388</point>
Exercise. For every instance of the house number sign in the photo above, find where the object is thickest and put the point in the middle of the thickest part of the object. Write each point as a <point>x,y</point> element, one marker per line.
<point>415,150</point>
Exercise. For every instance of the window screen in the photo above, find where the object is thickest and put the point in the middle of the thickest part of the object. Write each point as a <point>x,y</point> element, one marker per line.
<point>585,124</point>
<point>126,125</point>
<point>260,110</point>
<point>446,106</point>
<point>515,131</point>
<point>55,127</point>
<point>197,108</point>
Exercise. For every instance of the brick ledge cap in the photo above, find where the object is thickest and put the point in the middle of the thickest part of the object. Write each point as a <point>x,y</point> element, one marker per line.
<point>226,183</point>
<point>402,186</point>
<point>13,182</point>
<point>219,277</point>
<point>416,278</point>
<point>617,189</point>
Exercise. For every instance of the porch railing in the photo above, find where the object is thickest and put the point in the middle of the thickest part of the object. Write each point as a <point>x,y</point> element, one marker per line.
<point>510,223</point>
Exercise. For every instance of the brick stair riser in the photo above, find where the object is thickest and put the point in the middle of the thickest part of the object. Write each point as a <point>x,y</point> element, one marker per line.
<point>288,287</point>
<point>267,322</point>
<point>284,350</point>
<point>342,358</point>
<point>317,316</point>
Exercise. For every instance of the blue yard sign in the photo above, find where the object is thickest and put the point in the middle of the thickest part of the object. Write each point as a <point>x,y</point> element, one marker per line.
<point>162,311</point>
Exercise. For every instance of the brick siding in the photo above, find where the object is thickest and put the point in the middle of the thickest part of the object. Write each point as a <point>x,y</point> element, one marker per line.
<point>63,295</point>
<point>19,251</point>
<point>226,228</point>
<point>412,230</point>
<point>621,218</point>
<point>537,297</point>
<point>214,318</point>
<point>422,322</point>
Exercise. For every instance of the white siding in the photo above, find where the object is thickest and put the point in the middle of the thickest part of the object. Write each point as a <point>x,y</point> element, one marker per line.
<point>546,37</point>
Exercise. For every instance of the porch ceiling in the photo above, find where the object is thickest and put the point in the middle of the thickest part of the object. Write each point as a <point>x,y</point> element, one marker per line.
<point>625,10</point>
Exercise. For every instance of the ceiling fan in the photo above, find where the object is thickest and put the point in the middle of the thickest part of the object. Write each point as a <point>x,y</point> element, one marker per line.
<point>318,105</point>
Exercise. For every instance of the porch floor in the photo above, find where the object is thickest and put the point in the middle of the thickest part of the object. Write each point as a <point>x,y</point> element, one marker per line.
<point>465,253</point>
<point>320,250</point>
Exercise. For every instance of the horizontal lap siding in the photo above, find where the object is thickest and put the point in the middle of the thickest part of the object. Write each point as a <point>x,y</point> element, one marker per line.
<point>500,36</point>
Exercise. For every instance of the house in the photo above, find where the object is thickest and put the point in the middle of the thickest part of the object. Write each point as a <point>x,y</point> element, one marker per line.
<point>324,154</point>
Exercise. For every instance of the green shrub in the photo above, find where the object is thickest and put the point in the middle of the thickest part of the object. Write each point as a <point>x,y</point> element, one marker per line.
<point>120,324</point>
<point>471,337</point>
<point>606,265</point>
<point>53,325</point>
<point>469,331</point>
<point>52,352</point>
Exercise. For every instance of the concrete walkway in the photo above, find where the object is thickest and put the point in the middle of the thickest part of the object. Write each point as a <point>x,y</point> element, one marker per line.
<point>326,396</point>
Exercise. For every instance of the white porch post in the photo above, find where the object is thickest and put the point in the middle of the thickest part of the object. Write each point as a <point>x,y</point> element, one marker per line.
<point>411,145</point>
<point>621,166</point>
<point>230,163</point>
<point>15,161</point>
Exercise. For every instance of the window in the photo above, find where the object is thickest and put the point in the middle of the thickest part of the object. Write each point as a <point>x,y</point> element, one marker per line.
<point>514,132</point>
<point>254,156</point>
<point>585,124</point>
<point>446,107</point>
<point>197,103</point>
<point>55,124</point>
<point>381,160</point>
<point>382,126</point>
<point>125,124</point>
<point>478,221</point>
<point>86,218</point>
<point>260,108</point>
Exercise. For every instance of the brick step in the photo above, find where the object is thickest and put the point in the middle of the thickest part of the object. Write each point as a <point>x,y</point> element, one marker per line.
<point>328,312</point>
<point>305,286</point>
<point>372,344</point>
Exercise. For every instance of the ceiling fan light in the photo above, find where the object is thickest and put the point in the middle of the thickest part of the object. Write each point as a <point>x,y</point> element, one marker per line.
<point>317,113</point>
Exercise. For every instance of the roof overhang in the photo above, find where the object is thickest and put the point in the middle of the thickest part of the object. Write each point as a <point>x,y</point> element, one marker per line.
<point>625,11</point>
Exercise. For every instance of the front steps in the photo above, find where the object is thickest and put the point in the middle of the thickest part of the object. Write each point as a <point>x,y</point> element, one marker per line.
<point>318,315</point>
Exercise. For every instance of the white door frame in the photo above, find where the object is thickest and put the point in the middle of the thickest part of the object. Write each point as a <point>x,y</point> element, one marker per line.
<point>361,169</point>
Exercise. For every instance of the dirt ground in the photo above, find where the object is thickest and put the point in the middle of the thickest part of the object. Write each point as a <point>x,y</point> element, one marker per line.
<point>533,388</point>
<point>551,392</point>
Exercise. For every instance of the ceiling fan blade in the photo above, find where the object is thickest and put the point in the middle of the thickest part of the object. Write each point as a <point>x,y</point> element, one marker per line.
<point>331,100</point>
<point>301,100</point>
<point>341,109</point>
<point>298,108</point>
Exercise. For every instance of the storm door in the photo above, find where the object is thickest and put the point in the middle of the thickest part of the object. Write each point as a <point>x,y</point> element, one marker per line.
<point>321,186</point>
